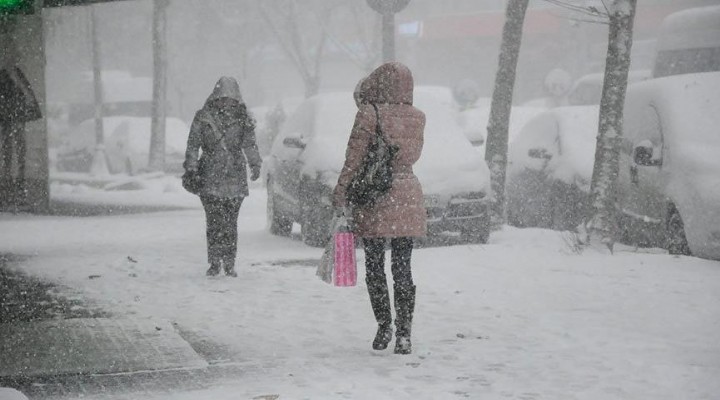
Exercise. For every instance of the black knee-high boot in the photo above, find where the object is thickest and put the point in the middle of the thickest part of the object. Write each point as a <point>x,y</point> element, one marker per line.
<point>404,309</point>
<point>380,302</point>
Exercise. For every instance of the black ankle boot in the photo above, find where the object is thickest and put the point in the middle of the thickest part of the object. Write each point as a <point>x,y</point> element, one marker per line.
<point>214,269</point>
<point>382,337</point>
<point>230,268</point>
<point>404,309</point>
<point>380,302</point>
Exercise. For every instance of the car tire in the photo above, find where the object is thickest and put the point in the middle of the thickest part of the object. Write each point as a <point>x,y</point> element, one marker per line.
<point>675,239</point>
<point>478,233</point>
<point>278,224</point>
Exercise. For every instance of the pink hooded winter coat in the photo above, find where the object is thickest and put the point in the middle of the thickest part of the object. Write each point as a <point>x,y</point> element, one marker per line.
<point>400,213</point>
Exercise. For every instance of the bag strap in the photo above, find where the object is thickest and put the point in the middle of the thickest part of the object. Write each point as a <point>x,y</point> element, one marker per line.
<point>219,136</point>
<point>378,127</point>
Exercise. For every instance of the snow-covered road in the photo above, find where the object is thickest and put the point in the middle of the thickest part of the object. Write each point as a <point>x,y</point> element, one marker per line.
<point>521,318</point>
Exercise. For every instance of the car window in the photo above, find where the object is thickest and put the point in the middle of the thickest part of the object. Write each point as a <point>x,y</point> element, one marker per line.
<point>687,61</point>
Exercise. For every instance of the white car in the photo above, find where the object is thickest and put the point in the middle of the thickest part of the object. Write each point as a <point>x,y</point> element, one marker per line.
<point>550,165</point>
<point>127,145</point>
<point>669,182</point>
<point>587,90</point>
<point>474,121</point>
<point>550,161</point>
<point>306,159</point>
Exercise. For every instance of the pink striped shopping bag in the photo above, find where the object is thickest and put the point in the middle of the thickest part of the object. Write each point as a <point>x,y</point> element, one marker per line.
<point>345,264</point>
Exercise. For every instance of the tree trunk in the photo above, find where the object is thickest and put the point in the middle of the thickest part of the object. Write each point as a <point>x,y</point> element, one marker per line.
<point>157,138</point>
<point>601,217</point>
<point>99,165</point>
<point>499,123</point>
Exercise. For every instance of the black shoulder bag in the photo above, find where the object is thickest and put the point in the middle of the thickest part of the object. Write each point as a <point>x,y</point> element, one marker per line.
<point>375,177</point>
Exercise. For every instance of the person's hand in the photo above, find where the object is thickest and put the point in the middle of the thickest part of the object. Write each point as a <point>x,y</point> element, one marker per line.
<point>340,211</point>
<point>254,173</point>
<point>345,214</point>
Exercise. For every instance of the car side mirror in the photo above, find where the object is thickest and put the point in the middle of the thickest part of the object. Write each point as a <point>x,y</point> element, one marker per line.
<point>294,143</point>
<point>539,153</point>
<point>478,142</point>
<point>643,156</point>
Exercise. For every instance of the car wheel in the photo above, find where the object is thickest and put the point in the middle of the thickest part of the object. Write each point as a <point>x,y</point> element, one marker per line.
<point>676,241</point>
<point>278,224</point>
<point>478,232</point>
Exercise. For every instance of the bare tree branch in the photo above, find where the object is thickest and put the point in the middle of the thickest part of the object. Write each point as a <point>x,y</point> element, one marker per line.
<point>369,52</point>
<point>284,19</point>
<point>607,10</point>
<point>281,39</point>
<point>586,10</point>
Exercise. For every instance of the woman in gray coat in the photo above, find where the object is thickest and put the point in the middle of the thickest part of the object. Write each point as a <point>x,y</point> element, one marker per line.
<point>224,133</point>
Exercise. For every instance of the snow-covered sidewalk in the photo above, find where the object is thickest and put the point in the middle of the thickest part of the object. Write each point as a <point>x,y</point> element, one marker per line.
<point>521,318</point>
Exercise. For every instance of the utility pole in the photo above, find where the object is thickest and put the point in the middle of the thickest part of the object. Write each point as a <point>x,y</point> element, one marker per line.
<point>388,9</point>
<point>159,103</point>
<point>99,165</point>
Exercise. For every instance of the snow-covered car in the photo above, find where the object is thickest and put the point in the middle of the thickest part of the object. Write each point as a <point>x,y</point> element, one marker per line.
<point>587,90</point>
<point>669,180</point>
<point>127,145</point>
<point>309,153</point>
<point>550,160</point>
<point>550,166</point>
<point>474,121</point>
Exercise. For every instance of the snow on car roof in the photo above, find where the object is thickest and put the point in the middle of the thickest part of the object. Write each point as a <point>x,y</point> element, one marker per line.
<point>689,106</point>
<point>448,163</point>
<point>690,29</point>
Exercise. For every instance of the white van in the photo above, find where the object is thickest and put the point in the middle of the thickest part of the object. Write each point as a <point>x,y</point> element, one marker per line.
<point>669,181</point>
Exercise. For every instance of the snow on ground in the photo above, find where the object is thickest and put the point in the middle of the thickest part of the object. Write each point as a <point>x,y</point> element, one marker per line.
<point>11,394</point>
<point>148,190</point>
<point>523,317</point>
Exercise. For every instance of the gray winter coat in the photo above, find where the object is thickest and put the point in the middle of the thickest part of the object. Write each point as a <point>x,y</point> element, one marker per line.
<point>222,163</point>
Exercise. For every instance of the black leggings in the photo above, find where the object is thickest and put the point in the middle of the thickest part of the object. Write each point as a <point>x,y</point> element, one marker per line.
<point>400,260</point>
<point>221,217</point>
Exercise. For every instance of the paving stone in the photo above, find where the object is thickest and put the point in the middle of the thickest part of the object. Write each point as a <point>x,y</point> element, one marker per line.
<point>25,298</point>
<point>91,346</point>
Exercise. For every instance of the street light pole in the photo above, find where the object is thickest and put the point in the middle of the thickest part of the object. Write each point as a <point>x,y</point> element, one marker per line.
<point>388,37</point>
<point>99,166</point>
<point>388,9</point>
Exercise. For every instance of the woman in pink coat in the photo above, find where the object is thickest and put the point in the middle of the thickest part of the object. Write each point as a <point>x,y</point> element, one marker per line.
<point>399,215</point>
